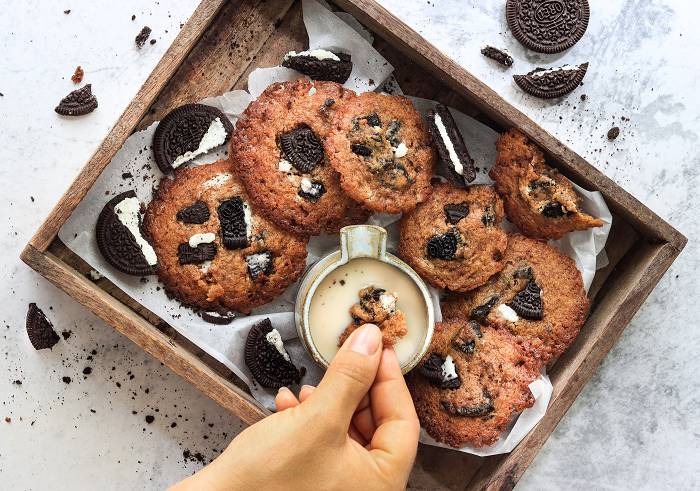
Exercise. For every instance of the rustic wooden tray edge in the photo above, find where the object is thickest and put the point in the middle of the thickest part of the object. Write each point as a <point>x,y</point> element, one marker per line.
<point>577,365</point>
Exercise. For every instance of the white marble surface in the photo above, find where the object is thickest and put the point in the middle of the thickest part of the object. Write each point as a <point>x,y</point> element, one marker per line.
<point>636,425</point>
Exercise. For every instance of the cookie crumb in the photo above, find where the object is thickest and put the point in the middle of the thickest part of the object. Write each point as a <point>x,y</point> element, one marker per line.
<point>133,17</point>
<point>8,419</point>
<point>142,37</point>
<point>66,380</point>
<point>150,419</point>
<point>613,133</point>
<point>66,11</point>
<point>153,41</point>
<point>77,76</point>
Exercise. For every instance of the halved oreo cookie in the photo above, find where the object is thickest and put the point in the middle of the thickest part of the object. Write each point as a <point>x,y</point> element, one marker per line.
<point>77,103</point>
<point>187,132</point>
<point>320,64</point>
<point>528,302</point>
<point>548,26</point>
<point>267,359</point>
<point>550,83</point>
<point>119,236</point>
<point>497,55</point>
<point>186,254</point>
<point>39,329</point>
<point>455,162</point>
<point>259,264</point>
<point>234,218</point>
<point>214,317</point>
<point>197,213</point>
<point>302,148</point>
<point>440,372</point>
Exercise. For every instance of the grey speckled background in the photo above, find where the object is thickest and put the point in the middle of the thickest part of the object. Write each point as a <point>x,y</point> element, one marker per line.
<point>636,425</point>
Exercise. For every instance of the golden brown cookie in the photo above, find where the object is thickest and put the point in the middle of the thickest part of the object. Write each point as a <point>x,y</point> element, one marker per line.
<point>215,252</point>
<point>453,240</point>
<point>377,306</point>
<point>471,384</point>
<point>380,145</point>
<point>538,199</point>
<point>278,151</point>
<point>538,296</point>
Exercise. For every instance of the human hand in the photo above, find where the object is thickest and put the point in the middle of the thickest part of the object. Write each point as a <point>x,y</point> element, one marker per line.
<point>358,427</point>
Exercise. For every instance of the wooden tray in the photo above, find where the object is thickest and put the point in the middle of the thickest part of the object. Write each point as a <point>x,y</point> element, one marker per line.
<point>214,52</point>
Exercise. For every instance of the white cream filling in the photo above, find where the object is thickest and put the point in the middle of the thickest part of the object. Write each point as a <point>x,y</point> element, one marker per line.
<point>566,68</point>
<point>205,238</point>
<point>507,313</point>
<point>275,339</point>
<point>388,301</point>
<point>285,166</point>
<point>459,169</point>
<point>312,90</point>
<point>449,370</point>
<point>400,151</point>
<point>218,180</point>
<point>319,54</point>
<point>204,267</point>
<point>248,219</point>
<point>95,275</point>
<point>306,185</point>
<point>215,136</point>
<point>128,211</point>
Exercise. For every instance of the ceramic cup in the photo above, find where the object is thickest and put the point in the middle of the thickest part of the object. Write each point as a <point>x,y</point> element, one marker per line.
<point>357,241</point>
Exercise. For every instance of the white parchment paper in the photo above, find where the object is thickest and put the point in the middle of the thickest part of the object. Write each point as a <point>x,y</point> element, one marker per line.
<point>133,167</point>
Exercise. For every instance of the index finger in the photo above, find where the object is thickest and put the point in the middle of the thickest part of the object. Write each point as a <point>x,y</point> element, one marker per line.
<point>394,413</point>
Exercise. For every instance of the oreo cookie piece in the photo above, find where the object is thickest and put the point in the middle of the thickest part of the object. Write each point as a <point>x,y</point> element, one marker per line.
<point>320,64</point>
<point>119,236</point>
<point>196,213</point>
<point>528,302</point>
<point>214,317</point>
<point>548,26</point>
<point>455,212</point>
<point>234,218</point>
<point>550,83</point>
<point>440,372</point>
<point>311,190</point>
<point>469,411</point>
<point>200,248</point>
<point>259,264</point>
<point>443,246</point>
<point>302,148</point>
<point>497,55</point>
<point>455,162</point>
<point>77,103</point>
<point>39,329</point>
<point>187,132</point>
<point>267,359</point>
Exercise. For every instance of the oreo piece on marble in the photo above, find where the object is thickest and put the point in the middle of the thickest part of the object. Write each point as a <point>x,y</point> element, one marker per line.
<point>267,359</point>
<point>77,103</point>
<point>550,83</point>
<point>39,329</point>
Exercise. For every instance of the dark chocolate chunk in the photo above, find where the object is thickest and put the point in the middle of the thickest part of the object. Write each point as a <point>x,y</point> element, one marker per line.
<point>497,55</point>
<point>259,264</point>
<point>269,367</point>
<point>142,37</point>
<point>77,103</point>
<point>181,132</point>
<point>217,318</point>
<point>327,69</point>
<point>480,313</point>
<point>551,83</point>
<point>442,116</point>
<point>528,302</point>
<point>373,120</point>
<point>454,213</point>
<point>469,411</point>
<point>431,369</point>
<point>547,26</point>
<point>443,246</point>
<point>196,255</point>
<point>302,148</point>
<point>116,242</point>
<point>234,229</point>
<point>197,212</point>
<point>465,339</point>
<point>39,329</point>
<point>613,133</point>
<point>360,149</point>
<point>314,192</point>
<point>553,209</point>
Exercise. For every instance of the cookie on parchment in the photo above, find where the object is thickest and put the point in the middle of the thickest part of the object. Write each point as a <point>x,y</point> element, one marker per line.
<point>538,296</point>
<point>453,240</point>
<point>537,198</point>
<point>278,152</point>
<point>471,383</point>
<point>380,146</point>
<point>215,251</point>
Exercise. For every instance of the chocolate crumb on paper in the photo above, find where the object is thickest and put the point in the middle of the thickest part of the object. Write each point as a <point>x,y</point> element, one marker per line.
<point>613,133</point>
<point>77,76</point>
<point>142,37</point>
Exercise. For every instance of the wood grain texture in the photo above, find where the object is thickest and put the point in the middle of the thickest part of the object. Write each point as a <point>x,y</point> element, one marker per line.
<point>168,64</point>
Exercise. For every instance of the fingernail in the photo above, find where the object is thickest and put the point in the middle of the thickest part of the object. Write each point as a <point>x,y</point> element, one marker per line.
<point>366,340</point>
<point>283,389</point>
<point>307,387</point>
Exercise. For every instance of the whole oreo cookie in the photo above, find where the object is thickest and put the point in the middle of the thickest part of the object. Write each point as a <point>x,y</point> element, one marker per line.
<point>455,162</point>
<point>39,329</point>
<point>119,236</point>
<point>547,26</point>
<point>550,83</point>
<point>320,64</point>
<point>266,358</point>
<point>187,132</point>
<point>77,103</point>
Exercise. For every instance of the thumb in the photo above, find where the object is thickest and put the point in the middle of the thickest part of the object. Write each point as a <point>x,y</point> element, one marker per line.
<point>349,376</point>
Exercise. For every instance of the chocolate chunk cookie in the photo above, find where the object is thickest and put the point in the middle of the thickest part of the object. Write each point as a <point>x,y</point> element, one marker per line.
<point>538,297</point>
<point>537,198</point>
<point>278,151</point>
<point>215,251</point>
<point>471,384</point>
<point>381,147</point>
<point>453,240</point>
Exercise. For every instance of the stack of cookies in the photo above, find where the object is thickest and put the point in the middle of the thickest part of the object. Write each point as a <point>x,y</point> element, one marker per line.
<point>309,157</point>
